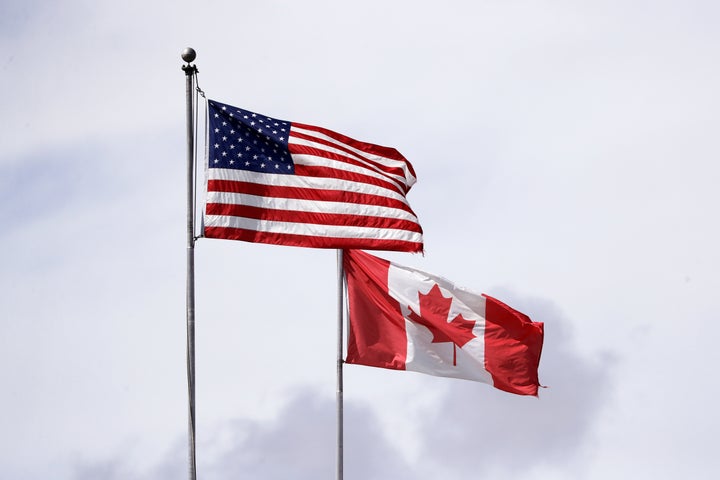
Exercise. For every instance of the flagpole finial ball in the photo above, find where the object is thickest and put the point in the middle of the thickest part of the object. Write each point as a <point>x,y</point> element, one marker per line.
<point>188,55</point>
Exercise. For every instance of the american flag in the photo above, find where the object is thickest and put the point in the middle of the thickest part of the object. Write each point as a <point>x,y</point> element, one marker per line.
<point>287,183</point>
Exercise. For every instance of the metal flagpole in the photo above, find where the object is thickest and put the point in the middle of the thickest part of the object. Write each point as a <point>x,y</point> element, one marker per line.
<point>339,398</point>
<point>188,55</point>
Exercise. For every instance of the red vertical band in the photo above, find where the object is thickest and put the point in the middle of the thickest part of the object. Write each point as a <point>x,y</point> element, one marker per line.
<point>376,334</point>
<point>512,348</point>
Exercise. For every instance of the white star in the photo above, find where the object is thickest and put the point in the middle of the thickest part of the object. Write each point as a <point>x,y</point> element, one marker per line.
<point>217,115</point>
<point>224,139</point>
<point>247,164</point>
<point>224,154</point>
<point>217,130</point>
<point>217,145</point>
<point>277,166</point>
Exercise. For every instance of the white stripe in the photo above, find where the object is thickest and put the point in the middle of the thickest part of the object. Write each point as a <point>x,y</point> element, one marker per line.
<point>299,181</point>
<point>312,230</point>
<point>312,206</point>
<point>389,162</point>
<point>318,161</point>
<point>406,285</point>
<point>369,166</point>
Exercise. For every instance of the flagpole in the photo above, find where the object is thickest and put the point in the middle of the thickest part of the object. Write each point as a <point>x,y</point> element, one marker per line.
<point>339,397</point>
<point>188,55</point>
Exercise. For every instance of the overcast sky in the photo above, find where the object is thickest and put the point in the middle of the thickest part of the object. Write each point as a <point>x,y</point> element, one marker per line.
<point>567,161</point>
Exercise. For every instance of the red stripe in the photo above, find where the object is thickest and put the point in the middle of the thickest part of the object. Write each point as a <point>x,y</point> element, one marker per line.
<point>341,196</point>
<point>377,334</point>
<point>379,150</point>
<point>287,239</point>
<point>294,148</point>
<point>329,172</point>
<point>512,348</point>
<point>261,213</point>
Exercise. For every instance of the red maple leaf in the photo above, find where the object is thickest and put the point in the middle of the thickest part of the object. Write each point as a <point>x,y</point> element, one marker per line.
<point>434,312</point>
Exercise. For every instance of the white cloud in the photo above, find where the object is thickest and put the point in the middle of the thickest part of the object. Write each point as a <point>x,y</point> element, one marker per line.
<point>565,150</point>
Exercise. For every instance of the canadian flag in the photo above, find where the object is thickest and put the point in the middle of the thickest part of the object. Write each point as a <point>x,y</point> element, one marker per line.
<point>406,319</point>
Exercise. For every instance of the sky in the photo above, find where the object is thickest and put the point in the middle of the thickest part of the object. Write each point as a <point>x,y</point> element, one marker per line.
<point>566,154</point>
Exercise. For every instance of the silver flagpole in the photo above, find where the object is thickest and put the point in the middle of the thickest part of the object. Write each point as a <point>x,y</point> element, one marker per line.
<point>188,55</point>
<point>339,398</point>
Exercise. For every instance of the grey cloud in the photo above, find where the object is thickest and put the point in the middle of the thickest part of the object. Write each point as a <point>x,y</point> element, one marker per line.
<point>473,430</point>
<point>299,444</point>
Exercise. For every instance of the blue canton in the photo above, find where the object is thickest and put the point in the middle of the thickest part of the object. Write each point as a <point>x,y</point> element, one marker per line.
<point>244,140</point>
